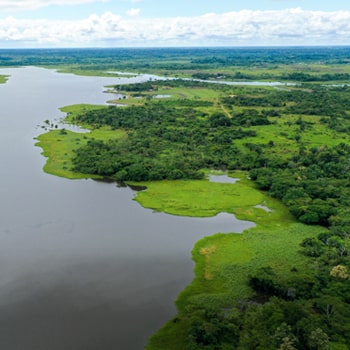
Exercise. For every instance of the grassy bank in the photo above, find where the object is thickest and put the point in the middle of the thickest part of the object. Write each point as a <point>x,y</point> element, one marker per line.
<point>59,145</point>
<point>223,262</point>
<point>202,198</point>
<point>93,72</point>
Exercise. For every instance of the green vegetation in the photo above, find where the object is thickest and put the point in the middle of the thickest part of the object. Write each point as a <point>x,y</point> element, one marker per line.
<point>250,287</point>
<point>303,64</point>
<point>260,130</point>
<point>92,72</point>
<point>285,283</point>
<point>198,198</point>
<point>3,79</point>
<point>59,145</point>
<point>202,198</point>
<point>220,289</point>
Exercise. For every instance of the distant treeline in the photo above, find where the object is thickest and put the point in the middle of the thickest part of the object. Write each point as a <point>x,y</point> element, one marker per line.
<point>173,59</point>
<point>294,76</point>
<point>316,100</point>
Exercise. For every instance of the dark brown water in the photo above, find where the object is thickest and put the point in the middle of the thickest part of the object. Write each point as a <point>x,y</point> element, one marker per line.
<point>82,265</point>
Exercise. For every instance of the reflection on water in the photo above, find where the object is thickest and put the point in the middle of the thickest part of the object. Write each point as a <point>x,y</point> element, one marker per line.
<point>82,265</point>
<point>223,179</point>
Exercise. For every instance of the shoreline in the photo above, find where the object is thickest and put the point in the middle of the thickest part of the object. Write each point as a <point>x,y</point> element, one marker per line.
<point>214,253</point>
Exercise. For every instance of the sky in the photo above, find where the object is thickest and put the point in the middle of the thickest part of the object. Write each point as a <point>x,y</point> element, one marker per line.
<point>171,23</point>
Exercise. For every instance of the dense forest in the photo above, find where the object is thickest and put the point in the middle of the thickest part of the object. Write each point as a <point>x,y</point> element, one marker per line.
<point>291,140</point>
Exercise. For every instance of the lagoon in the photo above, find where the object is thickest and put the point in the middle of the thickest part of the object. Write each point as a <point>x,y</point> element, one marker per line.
<point>82,265</point>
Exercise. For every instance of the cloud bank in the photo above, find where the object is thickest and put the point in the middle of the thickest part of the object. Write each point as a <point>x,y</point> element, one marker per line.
<point>246,27</point>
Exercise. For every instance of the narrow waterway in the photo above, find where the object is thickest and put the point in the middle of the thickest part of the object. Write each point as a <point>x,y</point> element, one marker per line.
<point>82,265</point>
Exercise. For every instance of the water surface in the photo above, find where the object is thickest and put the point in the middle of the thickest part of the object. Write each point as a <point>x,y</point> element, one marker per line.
<point>82,265</point>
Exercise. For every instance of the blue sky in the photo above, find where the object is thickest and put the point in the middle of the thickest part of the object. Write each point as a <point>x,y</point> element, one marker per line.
<point>72,23</point>
<point>158,8</point>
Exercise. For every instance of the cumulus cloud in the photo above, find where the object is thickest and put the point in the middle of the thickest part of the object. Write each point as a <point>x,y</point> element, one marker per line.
<point>246,27</point>
<point>24,5</point>
<point>133,12</point>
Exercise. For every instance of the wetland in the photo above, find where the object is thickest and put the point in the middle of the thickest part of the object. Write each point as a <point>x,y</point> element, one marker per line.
<point>283,282</point>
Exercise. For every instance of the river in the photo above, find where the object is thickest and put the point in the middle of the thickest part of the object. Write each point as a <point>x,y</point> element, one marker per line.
<point>82,265</point>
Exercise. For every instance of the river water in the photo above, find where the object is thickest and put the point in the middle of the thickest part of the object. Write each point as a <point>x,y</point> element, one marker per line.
<point>82,265</point>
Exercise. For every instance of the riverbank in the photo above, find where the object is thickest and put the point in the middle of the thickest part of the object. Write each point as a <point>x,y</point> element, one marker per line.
<point>58,144</point>
<point>223,262</point>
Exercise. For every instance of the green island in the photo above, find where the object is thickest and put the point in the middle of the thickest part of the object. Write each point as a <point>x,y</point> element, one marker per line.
<point>283,284</point>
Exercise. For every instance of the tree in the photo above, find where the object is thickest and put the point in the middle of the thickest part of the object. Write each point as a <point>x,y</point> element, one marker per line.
<point>287,344</point>
<point>318,340</point>
<point>340,272</point>
<point>219,119</point>
<point>284,338</point>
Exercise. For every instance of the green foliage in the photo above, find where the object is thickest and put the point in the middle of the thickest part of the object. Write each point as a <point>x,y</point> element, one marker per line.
<point>59,145</point>
<point>199,197</point>
<point>314,185</point>
<point>162,143</point>
<point>264,282</point>
<point>305,308</point>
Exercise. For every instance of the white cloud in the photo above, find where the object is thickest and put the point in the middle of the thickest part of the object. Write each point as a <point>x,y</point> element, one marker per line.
<point>133,12</point>
<point>24,5</point>
<point>285,27</point>
<point>136,1</point>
